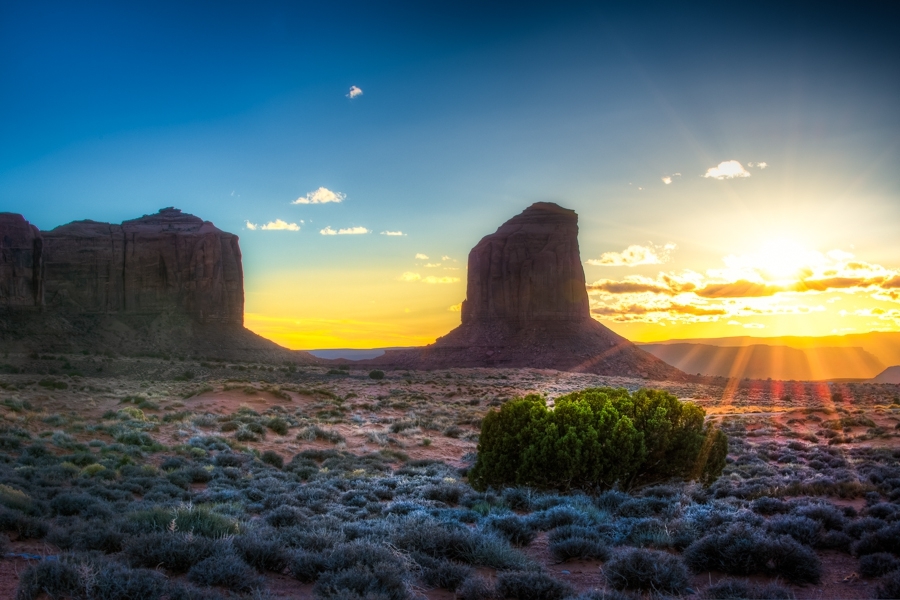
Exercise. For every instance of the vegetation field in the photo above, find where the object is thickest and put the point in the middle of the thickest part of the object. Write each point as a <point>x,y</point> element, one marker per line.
<point>165,477</point>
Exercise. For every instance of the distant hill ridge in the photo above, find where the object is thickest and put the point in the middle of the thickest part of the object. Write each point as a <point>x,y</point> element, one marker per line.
<point>852,356</point>
<point>884,345</point>
<point>763,361</point>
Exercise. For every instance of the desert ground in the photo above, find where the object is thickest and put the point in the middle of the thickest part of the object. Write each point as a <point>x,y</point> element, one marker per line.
<point>175,477</point>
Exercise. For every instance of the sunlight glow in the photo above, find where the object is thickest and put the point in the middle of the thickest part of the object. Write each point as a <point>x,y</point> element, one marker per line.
<point>783,287</point>
<point>778,260</point>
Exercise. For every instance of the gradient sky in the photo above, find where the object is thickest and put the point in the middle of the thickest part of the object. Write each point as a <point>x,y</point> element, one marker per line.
<point>748,153</point>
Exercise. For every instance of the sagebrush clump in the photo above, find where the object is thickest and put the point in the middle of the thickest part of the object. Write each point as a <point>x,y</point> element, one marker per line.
<point>595,439</point>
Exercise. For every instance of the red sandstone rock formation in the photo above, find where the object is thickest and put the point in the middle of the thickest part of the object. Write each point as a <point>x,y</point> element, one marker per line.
<point>527,306</point>
<point>170,261</point>
<point>168,281</point>
<point>529,270</point>
<point>21,250</point>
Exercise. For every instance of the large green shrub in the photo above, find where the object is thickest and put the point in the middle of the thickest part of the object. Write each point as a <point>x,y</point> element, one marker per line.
<point>596,438</point>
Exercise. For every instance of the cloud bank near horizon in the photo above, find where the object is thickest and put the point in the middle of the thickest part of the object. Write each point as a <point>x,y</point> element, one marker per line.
<point>774,281</point>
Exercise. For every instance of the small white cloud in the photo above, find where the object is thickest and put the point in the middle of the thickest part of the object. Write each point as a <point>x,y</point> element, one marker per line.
<point>252,226</point>
<point>732,322</point>
<point>634,255</point>
<point>445,257</point>
<point>347,231</point>
<point>421,256</point>
<point>320,196</point>
<point>354,92</point>
<point>667,179</point>
<point>353,231</point>
<point>392,233</point>
<point>727,170</point>
<point>432,265</point>
<point>279,225</point>
<point>758,165</point>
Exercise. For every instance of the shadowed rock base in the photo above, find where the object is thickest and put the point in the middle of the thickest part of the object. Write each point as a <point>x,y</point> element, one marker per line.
<point>170,333</point>
<point>586,347</point>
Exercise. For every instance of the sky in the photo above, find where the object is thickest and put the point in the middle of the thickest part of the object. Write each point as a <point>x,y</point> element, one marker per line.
<point>734,166</point>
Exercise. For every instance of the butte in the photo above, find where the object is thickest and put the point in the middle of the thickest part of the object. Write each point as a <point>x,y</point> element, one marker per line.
<point>527,306</point>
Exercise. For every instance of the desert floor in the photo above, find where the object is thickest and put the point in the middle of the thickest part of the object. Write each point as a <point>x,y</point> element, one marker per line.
<point>280,468</point>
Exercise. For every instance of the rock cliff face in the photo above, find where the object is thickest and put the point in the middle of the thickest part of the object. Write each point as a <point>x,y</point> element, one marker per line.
<point>170,261</point>
<point>527,306</point>
<point>528,270</point>
<point>168,281</point>
<point>21,250</point>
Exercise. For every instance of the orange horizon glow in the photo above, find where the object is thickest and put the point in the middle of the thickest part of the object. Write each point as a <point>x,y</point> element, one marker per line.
<point>781,289</point>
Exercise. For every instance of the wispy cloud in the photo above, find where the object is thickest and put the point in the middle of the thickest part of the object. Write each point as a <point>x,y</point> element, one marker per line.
<point>758,165</point>
<point>635,255</point>
<point>445,257</point>
<point>320,196</point>
<point>637,309</point>
<point>455,307</point>
<point>420,256</point>
<point>354,92</point>
<point>727,170</point>
<point>432,265</point>
<point>667,179</point>
<point>431,279</point>
<point>347,231</point>
<point>276,225</point>
<point>392,233</point>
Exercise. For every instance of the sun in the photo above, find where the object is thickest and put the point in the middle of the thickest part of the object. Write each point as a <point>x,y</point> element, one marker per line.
<point>785,259</point>
<point>777,260</point>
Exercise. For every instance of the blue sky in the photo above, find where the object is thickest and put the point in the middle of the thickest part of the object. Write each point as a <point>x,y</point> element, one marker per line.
<point>467,115</point>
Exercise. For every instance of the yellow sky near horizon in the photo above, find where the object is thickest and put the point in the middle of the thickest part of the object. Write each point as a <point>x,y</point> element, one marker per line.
<point>781,288</point>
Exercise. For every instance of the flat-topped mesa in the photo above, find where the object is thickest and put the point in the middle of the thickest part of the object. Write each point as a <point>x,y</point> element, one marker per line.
<point>166,262</point>
<point>167,282</point>
<point>21,253</point>
<point>528,270</point>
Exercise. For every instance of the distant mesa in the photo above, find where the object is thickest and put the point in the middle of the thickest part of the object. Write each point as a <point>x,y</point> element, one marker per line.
<point>769,361</point>
<point>889,375</point>
<point>164,281</point>
<point>527,306</point>
<point>849,356</point>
